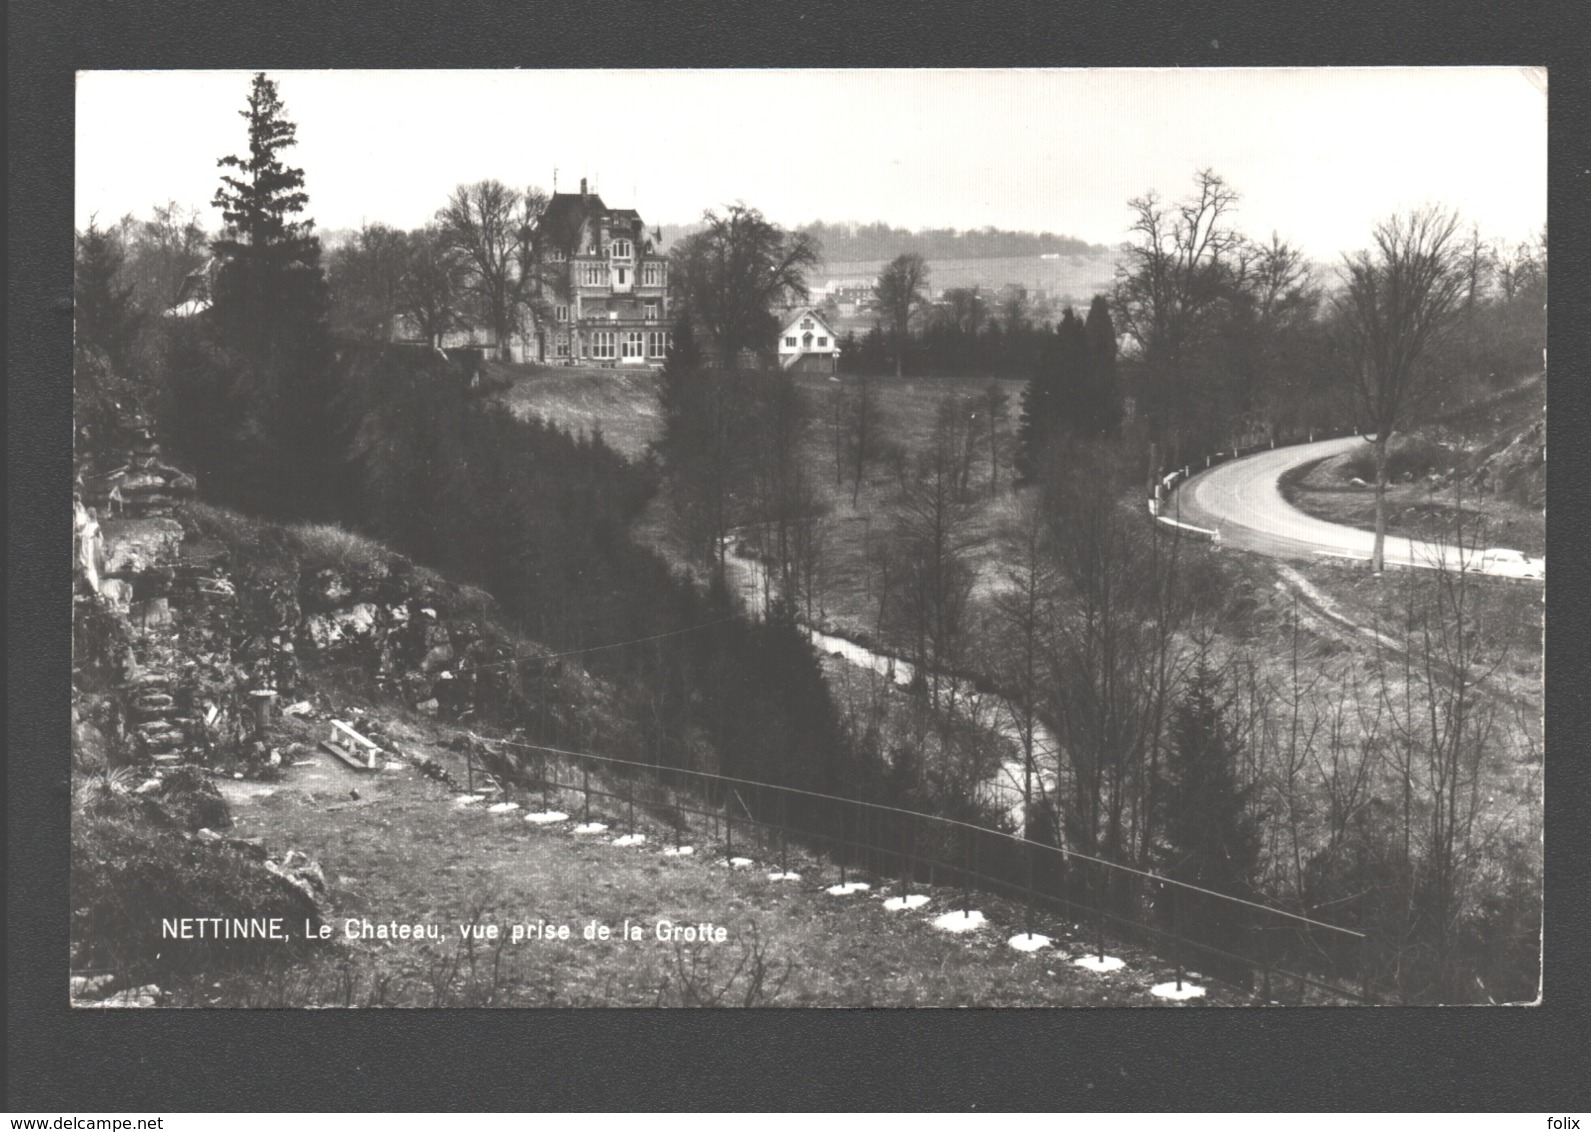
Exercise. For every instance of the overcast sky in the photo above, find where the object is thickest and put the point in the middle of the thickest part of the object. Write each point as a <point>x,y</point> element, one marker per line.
<point>1318,155</point>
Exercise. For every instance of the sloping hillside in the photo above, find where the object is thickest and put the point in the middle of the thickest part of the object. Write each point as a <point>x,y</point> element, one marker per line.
<point>1487,460</point>
<point>621,404</point>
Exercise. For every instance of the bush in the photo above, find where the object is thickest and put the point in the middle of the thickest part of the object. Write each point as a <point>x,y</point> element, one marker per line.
<point>325,544</point>
<point>1413,455</point>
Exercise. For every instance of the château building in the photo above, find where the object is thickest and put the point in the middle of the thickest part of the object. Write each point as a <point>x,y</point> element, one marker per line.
<point>607,295</point>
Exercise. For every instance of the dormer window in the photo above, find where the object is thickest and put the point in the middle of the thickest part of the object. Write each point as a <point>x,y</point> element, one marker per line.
<point>621,249</point>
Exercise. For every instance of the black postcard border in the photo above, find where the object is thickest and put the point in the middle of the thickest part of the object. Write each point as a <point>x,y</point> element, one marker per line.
<point>1187,1060</point>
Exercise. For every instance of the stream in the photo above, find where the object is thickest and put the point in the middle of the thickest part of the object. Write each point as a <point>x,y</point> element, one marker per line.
<point>750,578</point>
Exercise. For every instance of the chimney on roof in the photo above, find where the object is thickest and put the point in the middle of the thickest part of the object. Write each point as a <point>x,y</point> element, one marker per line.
<point>582,187</point>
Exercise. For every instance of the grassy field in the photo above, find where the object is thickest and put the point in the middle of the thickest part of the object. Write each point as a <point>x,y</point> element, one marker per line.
<point>402,850</point>
<point>849,600</point>
<point>622,403</point>
<point>1077,276</point>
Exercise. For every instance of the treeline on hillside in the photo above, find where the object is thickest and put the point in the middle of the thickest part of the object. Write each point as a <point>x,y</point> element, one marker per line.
<point>845,243</point>
<point>1224,339</point>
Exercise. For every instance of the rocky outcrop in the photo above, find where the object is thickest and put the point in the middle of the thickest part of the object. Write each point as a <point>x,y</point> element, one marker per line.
<point>1517,470</point>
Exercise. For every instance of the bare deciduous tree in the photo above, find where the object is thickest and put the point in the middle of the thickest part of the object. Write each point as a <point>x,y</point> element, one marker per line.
<point>484,223</point>
<point>1398,298</point>
<point>433,281</point>
<point>1174,272</point>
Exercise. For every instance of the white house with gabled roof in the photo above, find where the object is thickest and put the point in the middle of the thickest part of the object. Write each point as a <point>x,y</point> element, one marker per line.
<point>808,344</point>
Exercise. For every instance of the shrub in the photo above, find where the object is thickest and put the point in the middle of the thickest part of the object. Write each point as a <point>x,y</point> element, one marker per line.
<point>325,544</point>
<point>1413,455</point>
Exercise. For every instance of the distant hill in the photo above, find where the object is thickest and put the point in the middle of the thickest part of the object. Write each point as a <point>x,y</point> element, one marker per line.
<point>1066,278</point>
<point>849,242</point>
<point>1065,268</point>
<point>845,243</point>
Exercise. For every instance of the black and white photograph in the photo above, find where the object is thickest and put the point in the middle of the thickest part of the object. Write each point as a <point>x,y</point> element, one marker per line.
<point>808,538</point>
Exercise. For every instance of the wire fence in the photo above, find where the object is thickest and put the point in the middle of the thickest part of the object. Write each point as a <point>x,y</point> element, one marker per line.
<point>1267,950</point>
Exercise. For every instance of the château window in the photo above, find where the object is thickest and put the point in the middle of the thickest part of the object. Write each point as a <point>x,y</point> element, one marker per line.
<point>562,346</point>
<point>823,341</point>
<point>656,343</point>
<point>790,340</point>
<point>555,255</point>
<point>651,309</point>
<point>621,249</point>
<point>593,274</point>
<point>622,274</point>
<point>806,324</point>
<point>603,344</point>
<point>632,342</point>
<point>652,274</point>
<point>560,313</point>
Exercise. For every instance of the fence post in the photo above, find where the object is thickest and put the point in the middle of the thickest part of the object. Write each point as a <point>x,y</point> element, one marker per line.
<point>779,822</point>
<point>840,845</point>
<point>585,787</point>
<point>868,863</point>
<point>1028,846</point>
<point>1365,990</point>
<point>729,825</point>
<point>1099,907</point>
<point>1176,929</point>
<point>469,765</point>
<point>910,857</point>
<point>1265,965</point>
<point>966,870</point>
<point>546,787</point>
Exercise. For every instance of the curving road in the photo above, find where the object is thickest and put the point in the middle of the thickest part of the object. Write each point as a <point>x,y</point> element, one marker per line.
<point>1243,501</point>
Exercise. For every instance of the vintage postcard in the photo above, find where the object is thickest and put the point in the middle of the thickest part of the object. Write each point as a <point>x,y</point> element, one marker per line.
<point>808,538</point>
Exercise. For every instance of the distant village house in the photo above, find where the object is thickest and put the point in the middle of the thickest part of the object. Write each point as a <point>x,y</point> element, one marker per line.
<point>807,344</point>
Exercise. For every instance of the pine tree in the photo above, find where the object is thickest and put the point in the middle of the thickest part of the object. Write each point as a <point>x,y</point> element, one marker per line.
<point>268,256</point>
<point>1211,838</point>
<point>1104,411</point>
<point>270,314</point>
<point>1073,377</point>
<point>1054,395</point>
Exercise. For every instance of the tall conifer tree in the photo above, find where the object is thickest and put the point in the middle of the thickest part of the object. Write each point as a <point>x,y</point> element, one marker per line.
<point>270,314</point>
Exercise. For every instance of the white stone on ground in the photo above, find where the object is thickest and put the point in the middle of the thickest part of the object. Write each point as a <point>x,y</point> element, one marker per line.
<point>848,888</point>
<point>784,876</point>
<point>1099,966</point>
<point>547,817</point>
<point>906,903</point>
<point>680,851</point>
<point>959,921</point>
<point>740,862</point>
<point>1022,941</point>
<point>462,800</point>
<point>591,827</point>
<point>630,839</point>
<point>1169,990</point>
<point>502,808</point>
